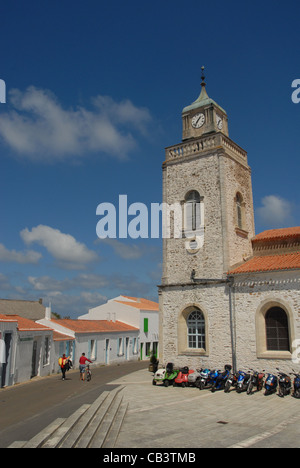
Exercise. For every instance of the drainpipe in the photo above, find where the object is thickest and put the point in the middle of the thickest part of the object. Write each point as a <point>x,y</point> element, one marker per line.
<point>233,349</point>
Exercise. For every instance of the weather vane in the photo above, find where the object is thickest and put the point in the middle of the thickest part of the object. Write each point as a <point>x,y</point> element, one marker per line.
<point>203,76</point>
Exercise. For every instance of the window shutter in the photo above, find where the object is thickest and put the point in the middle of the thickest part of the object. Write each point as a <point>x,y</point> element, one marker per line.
<point>145,325</point>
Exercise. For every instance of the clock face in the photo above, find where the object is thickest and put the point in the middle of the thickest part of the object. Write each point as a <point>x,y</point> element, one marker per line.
<point>219,122</point>
<point>198,120</point>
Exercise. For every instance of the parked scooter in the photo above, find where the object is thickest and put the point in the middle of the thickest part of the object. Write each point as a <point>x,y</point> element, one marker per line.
<point>182,377</point>
<point>203,380</point>
<point>161,375</point>
<point>231,381</point>
<point>170,374</point>
<point>296,392</point>
<point>256,380</point>
<point>271,384</point>
<point>285,385</point>
<point>243,381</point>
<point>193,378</point>
<point>221,379</point>
<point>210,380</point>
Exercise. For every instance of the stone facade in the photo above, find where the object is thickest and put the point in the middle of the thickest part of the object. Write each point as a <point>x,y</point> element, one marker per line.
<point>254,294</point>
<point>196,265</point>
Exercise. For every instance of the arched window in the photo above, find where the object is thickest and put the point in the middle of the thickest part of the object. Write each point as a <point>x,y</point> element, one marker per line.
<point>192,211</point>
<point>277,330</point>
<point>239,210</point>
<point>196,330</point>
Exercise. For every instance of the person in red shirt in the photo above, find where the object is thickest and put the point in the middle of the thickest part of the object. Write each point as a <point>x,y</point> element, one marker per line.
<point>82,362</point>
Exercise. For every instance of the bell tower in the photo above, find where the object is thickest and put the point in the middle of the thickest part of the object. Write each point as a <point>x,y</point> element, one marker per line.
<point>207,179</point>
<point>208,176</point>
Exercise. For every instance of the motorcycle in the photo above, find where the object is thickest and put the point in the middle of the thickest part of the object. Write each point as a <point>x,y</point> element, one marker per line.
<point>296,392</point>
<point>256,380</point>
<point>221,378</point>
<point>243,381</point>
<point>271,384</point>
<point>285,385</point>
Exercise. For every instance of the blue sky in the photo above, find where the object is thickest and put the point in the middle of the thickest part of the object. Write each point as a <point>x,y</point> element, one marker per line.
<point>94,93</point>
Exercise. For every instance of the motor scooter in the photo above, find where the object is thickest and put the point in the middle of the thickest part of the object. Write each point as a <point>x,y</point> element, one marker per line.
<point>193,378</point>
<point>182,377</point>
<point>170,374</point>
<point>162,373</point>
<point>285,385</point>
<point>243,381</point>
<point>256,380</point>
<point>221,379</point>
<point>296,392</point>
<point>271,384</point>
<point>203,380</point>
<point>231,381</point>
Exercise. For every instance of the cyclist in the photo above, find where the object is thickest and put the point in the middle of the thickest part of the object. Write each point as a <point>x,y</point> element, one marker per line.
<point>82,362</point>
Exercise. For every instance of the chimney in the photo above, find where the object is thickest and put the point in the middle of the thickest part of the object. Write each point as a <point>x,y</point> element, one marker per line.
<point>40,300</point>
<point>48,312</point>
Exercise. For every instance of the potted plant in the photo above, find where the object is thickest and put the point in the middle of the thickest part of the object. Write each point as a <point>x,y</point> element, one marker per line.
<point>153,363</point>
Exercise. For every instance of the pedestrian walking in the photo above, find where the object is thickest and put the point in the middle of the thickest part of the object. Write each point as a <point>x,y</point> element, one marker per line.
<point>64,365</point>
<point>82,362</point>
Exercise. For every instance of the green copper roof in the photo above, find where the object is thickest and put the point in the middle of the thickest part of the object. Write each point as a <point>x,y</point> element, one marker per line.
<point>203,100</point>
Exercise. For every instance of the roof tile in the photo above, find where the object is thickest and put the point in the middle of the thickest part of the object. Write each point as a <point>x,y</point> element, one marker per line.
<point>289,261</point>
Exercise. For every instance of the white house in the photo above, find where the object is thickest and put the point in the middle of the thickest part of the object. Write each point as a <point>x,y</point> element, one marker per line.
<point>8,341</point>
<point>137,312</point>
<point>25,349</point>
<point>102,341</point>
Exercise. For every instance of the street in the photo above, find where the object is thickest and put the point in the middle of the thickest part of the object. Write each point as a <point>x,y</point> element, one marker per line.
<point>27,408</point>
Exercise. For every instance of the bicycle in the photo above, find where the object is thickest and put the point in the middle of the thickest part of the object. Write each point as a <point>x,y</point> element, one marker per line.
<point>88,373</point>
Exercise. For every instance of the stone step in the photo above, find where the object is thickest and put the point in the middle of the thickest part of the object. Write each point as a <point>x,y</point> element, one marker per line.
<point>112,435</point>
<point>94,425</point>
<point>104,428</point>
<point>43,436</point>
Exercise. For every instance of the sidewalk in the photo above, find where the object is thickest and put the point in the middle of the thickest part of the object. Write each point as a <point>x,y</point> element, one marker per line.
<point>159,417</point>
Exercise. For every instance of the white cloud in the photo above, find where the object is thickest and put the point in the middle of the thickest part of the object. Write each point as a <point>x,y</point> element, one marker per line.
<point>38,128</point>
<point>125,251</point>
<point>29,256</point>
<point>275,211</point>
<point>63,247</point>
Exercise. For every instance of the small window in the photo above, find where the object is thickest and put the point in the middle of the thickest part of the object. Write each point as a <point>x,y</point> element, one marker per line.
<point>239,210</point>
<point>196,330</point>
<point>192,211</point>
<point>277,330</point>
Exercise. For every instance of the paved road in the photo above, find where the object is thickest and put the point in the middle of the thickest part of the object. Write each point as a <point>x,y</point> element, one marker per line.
<point>28,408</point>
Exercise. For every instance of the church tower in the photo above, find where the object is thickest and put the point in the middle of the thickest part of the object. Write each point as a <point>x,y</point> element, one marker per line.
<point>207,176</point>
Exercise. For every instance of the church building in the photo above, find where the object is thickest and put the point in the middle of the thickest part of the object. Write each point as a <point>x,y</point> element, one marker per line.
<point>227,296</point>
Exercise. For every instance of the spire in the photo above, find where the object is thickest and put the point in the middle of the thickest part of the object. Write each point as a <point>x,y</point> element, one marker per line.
<point>203,99</point>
